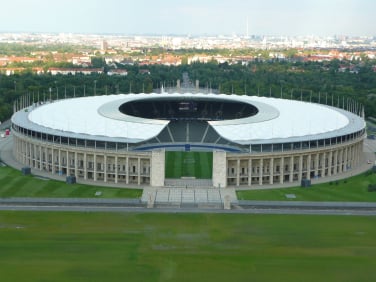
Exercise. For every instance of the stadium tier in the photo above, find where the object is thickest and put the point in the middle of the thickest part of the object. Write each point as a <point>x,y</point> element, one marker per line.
<point>253,140</point>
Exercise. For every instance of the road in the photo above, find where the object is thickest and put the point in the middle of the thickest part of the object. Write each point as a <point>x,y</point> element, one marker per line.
<point>245,207</point>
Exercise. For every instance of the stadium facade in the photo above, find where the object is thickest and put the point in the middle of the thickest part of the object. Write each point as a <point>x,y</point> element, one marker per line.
<point>254,140</point>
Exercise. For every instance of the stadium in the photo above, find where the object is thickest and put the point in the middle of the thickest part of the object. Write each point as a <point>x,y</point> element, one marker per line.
<point>212,140</point>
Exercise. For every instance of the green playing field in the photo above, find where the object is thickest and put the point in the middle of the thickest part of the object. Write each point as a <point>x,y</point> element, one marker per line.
<point>189,164</point>
<point>89,246</point>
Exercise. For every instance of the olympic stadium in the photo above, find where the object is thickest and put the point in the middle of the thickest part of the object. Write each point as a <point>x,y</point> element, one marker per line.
<point>139,139</point>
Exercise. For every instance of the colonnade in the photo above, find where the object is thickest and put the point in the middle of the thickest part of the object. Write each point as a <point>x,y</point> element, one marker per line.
<point>126,167</point>
<point>279,168</point>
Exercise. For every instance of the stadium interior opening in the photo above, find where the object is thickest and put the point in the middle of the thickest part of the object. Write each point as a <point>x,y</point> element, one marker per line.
<point>188,109</point>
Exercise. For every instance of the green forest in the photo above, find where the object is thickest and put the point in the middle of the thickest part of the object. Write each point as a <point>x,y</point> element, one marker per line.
<point>310,81</point>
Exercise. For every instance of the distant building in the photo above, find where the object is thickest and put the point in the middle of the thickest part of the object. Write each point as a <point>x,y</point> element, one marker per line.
<point>104,45</point>
<point>73,71</point>
<point>120,72</point>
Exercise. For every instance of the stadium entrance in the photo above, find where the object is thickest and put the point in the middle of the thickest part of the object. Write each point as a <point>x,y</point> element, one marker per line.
<point>188,165</point>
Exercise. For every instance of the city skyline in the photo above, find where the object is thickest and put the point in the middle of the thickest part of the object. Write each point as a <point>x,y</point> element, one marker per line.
<point>210,17</point>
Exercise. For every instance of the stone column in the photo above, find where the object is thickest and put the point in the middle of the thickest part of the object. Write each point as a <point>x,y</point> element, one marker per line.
<point>360,152</point>
<point>59,161</point>
<point>345,160</point>
<point>127,170</point>
<point>105,168</point>
<point>75,164</point>
<point>323,165</point>
<point>330,158</point>
<point>317,157</point>
<point>53,160</point>
<point>85,166</point>
<point>26,153</point>
<point>46,162</point>
<point>340,160</point>
<point>249,172</point>
<point>291,168</point>
<point>353,156</point>
<point>116,169</point>
<point>282,170</point>
<point>40,158</point>
<point>237,172</point>
<point>335,160</point>
<point>68,164</point>
<point>300,173</point>
<point>95,167</point>
<point>138,171</point>
<point>271,170</point>
<point>261,166</point>
<point>309,166</point>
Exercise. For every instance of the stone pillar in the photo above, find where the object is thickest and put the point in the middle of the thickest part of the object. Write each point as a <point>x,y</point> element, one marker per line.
<point>46,161</point>
<point>219,169</point>
<point>40,158</point>
<point>261,166</point>
<point>237,172</point>
<point>335,160</point>
<point>76,164</point>
<point>345,160</point>
<point>352,156</point>
<point>271,170</point>
<point>360,152</point>
<point>68,164</point>
<point>26,153</point>
<point>323,165</point>
<point>95,167</point>
<point>249,172</point>
<point>138,171</point>
<point>53,160</point>
<point>105,168</point>
<point>85,166</point>
<point>300,172</point>
<point>116,169</point>
<point>317,156</point>
<point>330,163</point>
<point>309,166</point>
<point>282,170</point>
<point>340,160</point>
<point>127,170</point>
<point>59,162</point>
<point>291,168</point>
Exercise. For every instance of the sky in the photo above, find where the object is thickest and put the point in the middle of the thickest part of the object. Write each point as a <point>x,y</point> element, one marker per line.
<point>191,17</point>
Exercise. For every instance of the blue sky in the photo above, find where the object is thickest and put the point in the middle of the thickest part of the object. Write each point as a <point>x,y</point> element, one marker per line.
<point>195,17</point>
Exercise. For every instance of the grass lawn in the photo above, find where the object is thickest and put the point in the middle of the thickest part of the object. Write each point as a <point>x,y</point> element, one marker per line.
<point>354,189</point>
<point>67,246</point>
<point>191,164</point>
<point>14,184</point>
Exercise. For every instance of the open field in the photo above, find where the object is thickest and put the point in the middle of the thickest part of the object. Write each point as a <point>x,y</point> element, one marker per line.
<point>14,184</point>
<point>48,246</point>
<point>189,164</point>
<point>354,189</point>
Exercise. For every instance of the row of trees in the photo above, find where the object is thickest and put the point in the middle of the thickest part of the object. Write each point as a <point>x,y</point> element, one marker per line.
<point>306,81</point>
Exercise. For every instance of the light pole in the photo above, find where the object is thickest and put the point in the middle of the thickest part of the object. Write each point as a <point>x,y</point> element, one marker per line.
<point>95,87</point>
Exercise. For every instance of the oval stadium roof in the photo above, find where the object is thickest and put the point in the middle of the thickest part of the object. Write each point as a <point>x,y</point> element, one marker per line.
<point>277,120</point>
